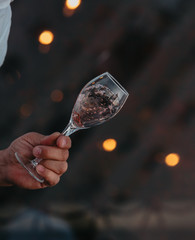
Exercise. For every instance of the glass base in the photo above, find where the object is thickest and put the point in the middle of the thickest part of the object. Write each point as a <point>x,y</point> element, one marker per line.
<point>30,167</point>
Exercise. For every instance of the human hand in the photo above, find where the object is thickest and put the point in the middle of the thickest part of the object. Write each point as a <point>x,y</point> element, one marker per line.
<point>52,149</point>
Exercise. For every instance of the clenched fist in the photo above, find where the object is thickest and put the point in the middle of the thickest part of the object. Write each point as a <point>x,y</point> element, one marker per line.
<point>52,149</point>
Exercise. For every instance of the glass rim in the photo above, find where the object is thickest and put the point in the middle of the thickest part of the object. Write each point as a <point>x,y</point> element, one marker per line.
<point>116,82</point>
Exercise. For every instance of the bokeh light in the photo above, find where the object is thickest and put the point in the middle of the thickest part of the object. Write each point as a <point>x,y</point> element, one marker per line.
<point>25,110</point>
<point>57,95</point>
<point>109,144</point>
<point>72,4</point>
<point>46,37</point>
<point>172,159</point>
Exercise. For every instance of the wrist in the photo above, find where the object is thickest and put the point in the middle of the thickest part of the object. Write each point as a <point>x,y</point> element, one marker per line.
<point>4,168</point>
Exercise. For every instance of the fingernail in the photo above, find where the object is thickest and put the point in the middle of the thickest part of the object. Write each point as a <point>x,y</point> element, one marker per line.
<point>40,169</point>
<point>37,151</point>
<point>64,143</point>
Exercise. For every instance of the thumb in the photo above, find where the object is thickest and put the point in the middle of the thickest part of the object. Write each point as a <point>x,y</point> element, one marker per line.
<point>51,139</point>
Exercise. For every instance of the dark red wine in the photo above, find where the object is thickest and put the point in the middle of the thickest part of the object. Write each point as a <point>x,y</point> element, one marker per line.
<point>95,104</point>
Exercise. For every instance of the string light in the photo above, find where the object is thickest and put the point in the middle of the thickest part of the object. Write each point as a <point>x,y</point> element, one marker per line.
<point>46,37</point>
<point>109,144</point>
<point>72,4</point>
<point>172,159</point>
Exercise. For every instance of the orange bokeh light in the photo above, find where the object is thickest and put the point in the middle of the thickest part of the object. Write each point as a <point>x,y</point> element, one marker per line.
<point>109,144</point>
<point>57,95</point>
<point>72,4</point>
<point>46,37</point>
<point>25,110</point>
<point>172,159</point>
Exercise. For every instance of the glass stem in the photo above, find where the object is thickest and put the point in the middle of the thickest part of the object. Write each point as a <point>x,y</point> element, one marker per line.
<point>69,129</point>
<point>35,162</point>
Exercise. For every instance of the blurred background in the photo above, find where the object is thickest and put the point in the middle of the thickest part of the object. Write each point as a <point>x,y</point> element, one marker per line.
<point>131,178</point>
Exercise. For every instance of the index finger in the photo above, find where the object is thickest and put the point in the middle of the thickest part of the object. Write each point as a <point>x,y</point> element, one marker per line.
<point>63,142</point>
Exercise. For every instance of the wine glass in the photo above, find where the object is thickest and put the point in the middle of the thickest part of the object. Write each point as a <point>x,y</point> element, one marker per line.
<point>99,100</point>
